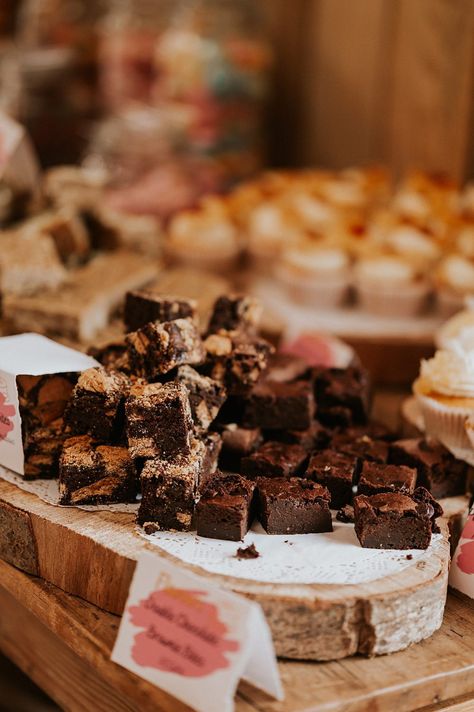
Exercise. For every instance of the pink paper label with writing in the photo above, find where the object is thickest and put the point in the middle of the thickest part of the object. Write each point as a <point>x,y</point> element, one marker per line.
<point>7,413</point>
<point>182,633</point>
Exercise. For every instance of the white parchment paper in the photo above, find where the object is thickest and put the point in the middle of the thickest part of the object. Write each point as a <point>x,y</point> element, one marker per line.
<point>48,491</point>
<point>332,558</point>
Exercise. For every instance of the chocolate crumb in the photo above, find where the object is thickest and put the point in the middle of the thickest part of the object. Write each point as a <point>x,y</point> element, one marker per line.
<point>151,528</point>
<point>247,552</point>
<point>346,514</point>
<point>409,557</point>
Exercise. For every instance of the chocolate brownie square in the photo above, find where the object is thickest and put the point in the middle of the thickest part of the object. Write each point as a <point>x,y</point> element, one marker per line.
<point>316,437</point>
<point>438,470</point>
<point>142,306</point>
<point>43,399</point>
<point>169,490</point>
<point>286,368</point>
<point>157,348</point>
<point>206,396</point>
<point>362,446</point>
<point>95,474</point>
<point>224,509</point>
<point>237,443</point>
<point>96,405</point>
<point>236,360</point>
<point>113,355</point>
<point>274,459</point>
<point>292,506</point>
<point>235,313</point>
<point>375,478</point>
<point>212,443</point>
<point>342,395</point>
<point>393,520</point>
<point>42,447</point>
<point>337,471</point>
<point>158,420</point>
<point>280,406</point>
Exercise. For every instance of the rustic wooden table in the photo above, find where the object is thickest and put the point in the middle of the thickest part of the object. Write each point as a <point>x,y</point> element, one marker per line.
<point>64,644</point>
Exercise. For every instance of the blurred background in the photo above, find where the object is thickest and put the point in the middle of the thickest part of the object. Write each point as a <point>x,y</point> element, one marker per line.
<point>225,85</point>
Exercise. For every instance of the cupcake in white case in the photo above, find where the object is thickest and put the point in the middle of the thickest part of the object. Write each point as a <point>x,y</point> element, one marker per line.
<point>445,393</point>
<point>205,238</point>
<point>315,275</point>
<point>455,282</point>
<point>270,229</point>
<point>413,244</point>
<point>457,332</point>
<point>388,285</point>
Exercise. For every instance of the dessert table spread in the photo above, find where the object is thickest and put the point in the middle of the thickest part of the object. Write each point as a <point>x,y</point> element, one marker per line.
<point>75,637</point>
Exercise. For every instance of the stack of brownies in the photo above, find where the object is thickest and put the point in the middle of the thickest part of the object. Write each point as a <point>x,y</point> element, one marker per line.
<point>215,429</point>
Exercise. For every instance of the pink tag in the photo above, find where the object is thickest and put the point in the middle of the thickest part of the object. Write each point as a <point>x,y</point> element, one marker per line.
<point>461,575</point>
<point>188,637</point>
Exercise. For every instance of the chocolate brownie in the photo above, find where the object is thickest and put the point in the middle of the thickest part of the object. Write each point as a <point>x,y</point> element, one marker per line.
<point>274,459</point>
<point>212,443</point>
<point>235,313</point>
<point>237,443</point>
<point>206,396</point>
<point>292,506</point>
<point>112,355</point>
<point>157,348</point>
<point>236,360</point>
<point>362,446</point>
<point>142,306</point>
<point>224,510</point>
<point>375,478</point>
<point>316,437</point>
<point>438,470</point>
<point>169,490</point>
<point>393,520</point>
<point>158,420</point>
<point>286,368</point>
<point>337,471</point>
<point>42,448</point>
<point>280,406</point>
<point>43,399</point>
<point>342,395</point>
<point>95,474</point>
<point>96,405</point>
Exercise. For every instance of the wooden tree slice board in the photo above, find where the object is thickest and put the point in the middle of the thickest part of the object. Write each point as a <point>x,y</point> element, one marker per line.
<point>93,555</point>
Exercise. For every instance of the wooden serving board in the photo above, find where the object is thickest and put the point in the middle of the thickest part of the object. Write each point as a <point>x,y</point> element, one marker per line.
<point>93,555</point>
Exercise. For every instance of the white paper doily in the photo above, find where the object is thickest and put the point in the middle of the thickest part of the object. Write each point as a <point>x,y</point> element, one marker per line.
<point>332,558</point>
<point>47,490</point>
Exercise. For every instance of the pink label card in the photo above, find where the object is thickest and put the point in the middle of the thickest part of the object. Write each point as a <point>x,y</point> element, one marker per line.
<point>192,639</point>
<point>461,575</point>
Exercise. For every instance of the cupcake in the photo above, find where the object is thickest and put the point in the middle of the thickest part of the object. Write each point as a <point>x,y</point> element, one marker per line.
<point>315,275</point>
<point>457,332</point>
<point>388,285</point>
<point>455,282</point>
<point>445,393</point>
<point>205,238</point>
<point>271,228</point>
<point>413,244</point>
<point>469,427</point>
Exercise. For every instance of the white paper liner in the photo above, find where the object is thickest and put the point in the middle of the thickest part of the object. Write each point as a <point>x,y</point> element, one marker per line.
<point>48,491</point>
<point>445,423</point>
<point>332,558</point>
<point>412,413</point>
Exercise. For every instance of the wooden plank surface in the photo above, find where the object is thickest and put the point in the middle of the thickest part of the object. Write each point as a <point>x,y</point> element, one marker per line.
<point>374,81</point>
<point>64,644</point>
